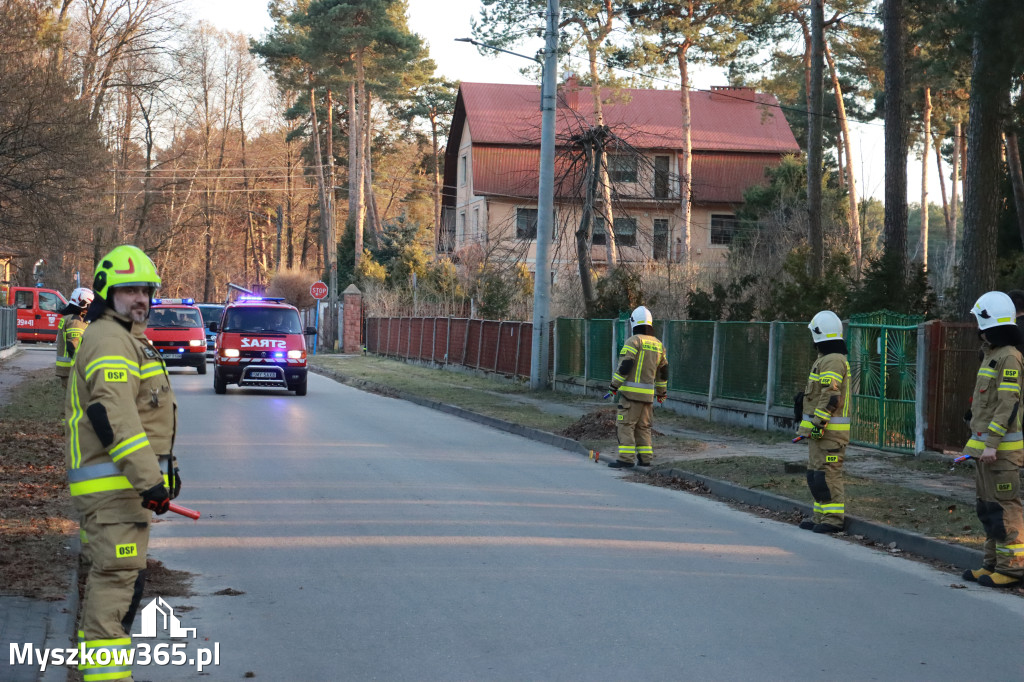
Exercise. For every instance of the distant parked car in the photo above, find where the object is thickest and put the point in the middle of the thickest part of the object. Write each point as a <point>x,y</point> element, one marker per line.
<point>211,313</point>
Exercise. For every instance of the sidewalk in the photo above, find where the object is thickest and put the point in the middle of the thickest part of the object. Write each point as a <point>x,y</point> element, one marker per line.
<point>44,624</point>
<point>863,462</point>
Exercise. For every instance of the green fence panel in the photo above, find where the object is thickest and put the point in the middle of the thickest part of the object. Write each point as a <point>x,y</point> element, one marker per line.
<point>601,359</point>
<point>743,361</point>
<point>688,345</point>
<point>793,360</point>
<point>883,365</point>
<point>570,333</point>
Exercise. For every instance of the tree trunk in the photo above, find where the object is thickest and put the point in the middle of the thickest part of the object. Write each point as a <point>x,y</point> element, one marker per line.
<point>896,133</point>
<point>1016,176</point>
<point>372,213</point>
<point>954,192</point>
<point>332,239</point>
<point>814,142</point>
<point>990,89</point>
<point>610,245</point>
<point>320,182</point>
<point>355,172</point>
<point>853,212</point>
<point>687,157</point>
<point>926,117</point>
<point>437,179</point>
<point>585,232</point>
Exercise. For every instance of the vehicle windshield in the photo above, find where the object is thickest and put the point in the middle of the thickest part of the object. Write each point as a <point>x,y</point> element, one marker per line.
<point>175,317</point>
<point>211,313</point>
<point>252,320</point>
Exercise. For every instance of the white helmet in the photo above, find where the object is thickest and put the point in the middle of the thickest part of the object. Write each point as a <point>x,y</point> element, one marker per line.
<point>826,326</point>
<point>994,309</point>
<point>640,317</point>
<point>81,297</point>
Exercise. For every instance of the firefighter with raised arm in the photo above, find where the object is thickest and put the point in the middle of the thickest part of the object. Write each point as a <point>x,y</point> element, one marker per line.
<point>641,378</point>
<point>996,443</point>
<point>120,416</point>
<point>826,422</point>
<point>69,331</point>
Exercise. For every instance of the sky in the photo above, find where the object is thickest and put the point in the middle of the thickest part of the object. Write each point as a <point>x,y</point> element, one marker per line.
<point>440,22</point>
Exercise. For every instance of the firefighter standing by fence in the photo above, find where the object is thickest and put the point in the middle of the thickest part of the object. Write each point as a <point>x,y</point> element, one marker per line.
<point>642,377</point>
<point>120,418</point>
<point>69,331</point>
<point>826,421</point>
<point>996,443</point>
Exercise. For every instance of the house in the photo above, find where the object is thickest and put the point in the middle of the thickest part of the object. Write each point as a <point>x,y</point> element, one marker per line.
<point>489,201</point>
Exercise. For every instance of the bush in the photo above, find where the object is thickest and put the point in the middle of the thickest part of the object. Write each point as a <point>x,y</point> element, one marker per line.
<point>620,291</point>
<point>293,286</point>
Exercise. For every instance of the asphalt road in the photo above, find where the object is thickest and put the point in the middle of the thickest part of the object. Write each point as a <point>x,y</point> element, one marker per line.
<point>377,540</point>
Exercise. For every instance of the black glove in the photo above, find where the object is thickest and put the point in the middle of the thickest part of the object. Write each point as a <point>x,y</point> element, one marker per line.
<point>156,499</point>
<point>798,408</point>
<point>968,416</point>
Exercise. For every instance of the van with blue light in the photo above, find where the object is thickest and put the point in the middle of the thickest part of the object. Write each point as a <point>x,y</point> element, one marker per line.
<point>260,343</point>
<point>176,331</point>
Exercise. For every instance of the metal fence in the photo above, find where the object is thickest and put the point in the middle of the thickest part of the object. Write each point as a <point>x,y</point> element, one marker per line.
<point>911,382</point>
<point>8,327</point>
<point>489,345</point>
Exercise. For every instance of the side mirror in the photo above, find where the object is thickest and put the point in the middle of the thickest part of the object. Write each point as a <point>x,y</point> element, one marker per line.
<point>310,331</point>
<point>212,327</point>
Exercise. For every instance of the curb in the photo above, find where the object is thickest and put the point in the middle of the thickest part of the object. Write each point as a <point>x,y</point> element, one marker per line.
<point>61,632</point>
<point>908,541</point>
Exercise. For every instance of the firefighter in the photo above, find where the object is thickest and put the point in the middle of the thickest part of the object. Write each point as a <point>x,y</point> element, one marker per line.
<point>996,443</point>
<point>641,378</point>
<point>826,421</point>
<point>69,331</point>
<point>120,419</point>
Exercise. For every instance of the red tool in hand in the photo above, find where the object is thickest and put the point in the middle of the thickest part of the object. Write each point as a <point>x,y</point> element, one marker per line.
<point>795,440</point>
<point>184,511</point>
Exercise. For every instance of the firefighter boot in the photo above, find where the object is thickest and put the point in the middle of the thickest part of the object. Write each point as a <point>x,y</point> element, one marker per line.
<point>998,580</point>
<point>807,524</point>
<point>972,574</point>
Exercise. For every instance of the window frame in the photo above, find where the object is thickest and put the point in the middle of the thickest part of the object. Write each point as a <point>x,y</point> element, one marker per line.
<point>616,171</point>
<point>716,231</point>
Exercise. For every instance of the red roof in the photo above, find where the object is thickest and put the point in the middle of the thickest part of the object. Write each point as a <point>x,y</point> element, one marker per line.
<point>722,178</point>
<point>725,119</point>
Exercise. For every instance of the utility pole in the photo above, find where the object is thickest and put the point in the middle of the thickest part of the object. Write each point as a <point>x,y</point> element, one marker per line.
<point>545,205</point>
<point>280,229</point>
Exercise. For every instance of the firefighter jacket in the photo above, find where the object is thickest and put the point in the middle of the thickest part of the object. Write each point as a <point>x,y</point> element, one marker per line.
<point>995,407</point>
<point>643,369</point>
<point>827,398</point>
<point>120,415</point>
<point>69,335</point>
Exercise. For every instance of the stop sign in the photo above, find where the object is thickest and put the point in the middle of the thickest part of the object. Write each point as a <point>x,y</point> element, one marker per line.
<point>318,290</point>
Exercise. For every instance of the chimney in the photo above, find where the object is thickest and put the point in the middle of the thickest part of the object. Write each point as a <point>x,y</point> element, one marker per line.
<point>572,91</point>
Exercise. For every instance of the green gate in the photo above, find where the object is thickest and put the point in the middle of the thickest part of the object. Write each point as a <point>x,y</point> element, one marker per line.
<point>883,367</point>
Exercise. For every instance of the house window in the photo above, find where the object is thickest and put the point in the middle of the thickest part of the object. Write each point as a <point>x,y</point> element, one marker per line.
<point>476,223</point>
<point>723,229</point>
<point>661,177</point>
<point>625,232</point>
<point>621,168</point>
<point>460,228</point>
<point>526,223</point>
<point>660,239</point>
<point>463,162</point>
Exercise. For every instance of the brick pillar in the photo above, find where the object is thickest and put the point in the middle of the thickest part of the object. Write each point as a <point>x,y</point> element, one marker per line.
<point>352,323</point>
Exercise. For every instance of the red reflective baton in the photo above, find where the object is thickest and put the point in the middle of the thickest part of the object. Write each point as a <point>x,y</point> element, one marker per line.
<point>184,511</point>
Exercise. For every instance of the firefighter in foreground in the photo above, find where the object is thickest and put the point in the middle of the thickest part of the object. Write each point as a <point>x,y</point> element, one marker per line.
<point>120,419</point>
<point>641,378</point>
<point>826,421</point>
<point>69,331</point>
<point>996,443</point>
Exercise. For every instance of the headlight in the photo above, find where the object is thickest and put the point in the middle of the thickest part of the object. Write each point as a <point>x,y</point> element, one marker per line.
<point>295,354</point>
<point>197,342</point>
<point>229,352</point>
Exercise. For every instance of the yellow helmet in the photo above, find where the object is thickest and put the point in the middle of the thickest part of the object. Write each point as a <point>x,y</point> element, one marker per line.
<point>125,266</point>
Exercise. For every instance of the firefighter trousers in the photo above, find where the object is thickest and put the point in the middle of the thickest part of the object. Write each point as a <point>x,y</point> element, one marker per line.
<point>118,544</point>
<point>1000,512</point>
<point>825,481</point>
<point>633,428</point>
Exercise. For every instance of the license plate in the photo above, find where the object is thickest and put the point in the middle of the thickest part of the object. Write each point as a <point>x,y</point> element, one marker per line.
<point>172,356</point>
<point>262,375</point>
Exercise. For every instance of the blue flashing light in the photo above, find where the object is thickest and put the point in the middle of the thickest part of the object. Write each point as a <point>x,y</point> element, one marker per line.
<point>181,350</point>
<point>276,299</point>
<point>278,355</point>
<point>174,301</point>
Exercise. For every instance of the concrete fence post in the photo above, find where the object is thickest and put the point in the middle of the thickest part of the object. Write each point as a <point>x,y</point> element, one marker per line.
<point>921,392</point>
<point>713,379</point>
<point>773,352</point>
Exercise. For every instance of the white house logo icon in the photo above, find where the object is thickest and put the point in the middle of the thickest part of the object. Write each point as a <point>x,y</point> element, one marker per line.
<point>158,608</point>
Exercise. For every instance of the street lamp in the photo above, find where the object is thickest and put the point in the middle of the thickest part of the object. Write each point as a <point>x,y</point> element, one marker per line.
<point>545,195</point>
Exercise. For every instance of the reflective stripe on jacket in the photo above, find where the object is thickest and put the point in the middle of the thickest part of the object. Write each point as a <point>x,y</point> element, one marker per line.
<point>995,407</point>
<point>643,369</point>
<point>827,397</point>
<point>69,335</point>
